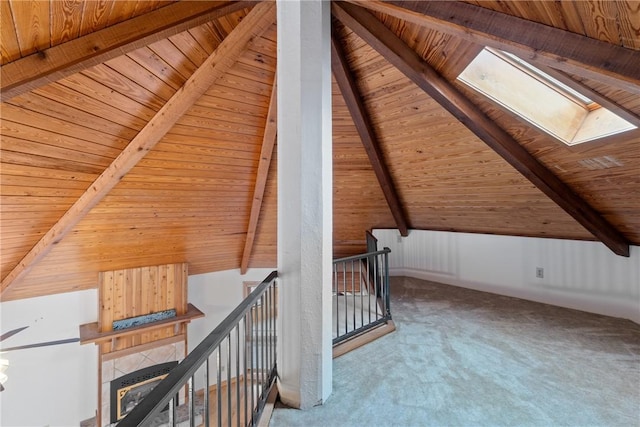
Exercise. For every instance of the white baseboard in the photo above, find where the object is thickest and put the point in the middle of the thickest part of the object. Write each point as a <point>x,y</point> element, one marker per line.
<point>592,303</point>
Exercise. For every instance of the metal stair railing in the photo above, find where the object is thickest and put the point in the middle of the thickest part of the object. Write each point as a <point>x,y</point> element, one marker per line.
<point>360,294</point>
<point>243,343</point>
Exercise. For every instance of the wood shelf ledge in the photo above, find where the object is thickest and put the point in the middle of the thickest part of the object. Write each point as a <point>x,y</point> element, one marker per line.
<point>90,332</point>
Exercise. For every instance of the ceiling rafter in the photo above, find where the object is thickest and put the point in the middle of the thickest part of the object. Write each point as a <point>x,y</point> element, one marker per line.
<point>252,26</point>
<point>266,153</point>
<point>62,60</point>
<point>385,42</point>
<point>538,43</point>
<point>360,116</point>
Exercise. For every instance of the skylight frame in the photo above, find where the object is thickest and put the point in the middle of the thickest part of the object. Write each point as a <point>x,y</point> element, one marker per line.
<point>545,78</point>
<point>562,112</point>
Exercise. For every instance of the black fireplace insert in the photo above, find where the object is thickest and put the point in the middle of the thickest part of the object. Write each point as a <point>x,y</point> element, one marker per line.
<point>128,390</point>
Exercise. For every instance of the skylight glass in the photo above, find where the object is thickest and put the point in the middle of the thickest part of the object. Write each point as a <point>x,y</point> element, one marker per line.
<point>540,99</point>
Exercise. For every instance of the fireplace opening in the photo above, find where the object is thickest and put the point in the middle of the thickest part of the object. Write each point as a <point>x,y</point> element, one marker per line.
<point>129,390</point>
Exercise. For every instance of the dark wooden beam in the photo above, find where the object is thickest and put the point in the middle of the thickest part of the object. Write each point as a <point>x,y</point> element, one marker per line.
<point>217,64</point>
<point>59,61</point>
<point>534,42</point>
<point>360,117</point>
<point>372,31</point>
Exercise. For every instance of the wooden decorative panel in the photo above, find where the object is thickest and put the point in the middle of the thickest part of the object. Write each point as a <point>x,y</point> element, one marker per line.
<point>139,291</point>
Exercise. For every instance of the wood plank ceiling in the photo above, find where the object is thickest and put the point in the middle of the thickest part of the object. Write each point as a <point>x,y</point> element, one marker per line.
<point>196,196</point>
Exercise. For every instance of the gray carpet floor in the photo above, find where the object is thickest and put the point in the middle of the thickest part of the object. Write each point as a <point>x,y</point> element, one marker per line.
<point>466,358</point>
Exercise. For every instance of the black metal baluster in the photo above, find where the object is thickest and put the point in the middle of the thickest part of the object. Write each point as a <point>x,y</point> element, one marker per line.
<point>369,275</point>
<point>346,307</point>
<point>376,283</point>
<point>229,417</point>
<point>353,296</point>
<point>337,292</point>
<point>172,413</point>
<point>192,398</point>
<point>237,405</point>
<point>360,280</point>
<point>218,386</point>
<point>388,285</point>
<point>244,369</point>
<point>253,373</point>
<point>206,393</point>
<point>264,348</point>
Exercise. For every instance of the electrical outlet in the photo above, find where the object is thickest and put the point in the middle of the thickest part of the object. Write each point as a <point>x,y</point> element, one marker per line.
<point>539,272</point>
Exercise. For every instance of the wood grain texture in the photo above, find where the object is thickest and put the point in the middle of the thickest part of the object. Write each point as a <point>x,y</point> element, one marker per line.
<point>67,18</point>
<point>133,292</point>
<point>59,61</point>
<point>95,15</point>
<point>398,53</point>
<point>628,22</point>
<point>360,116</point>
<point>570,52</point>
<point>224,57</point>
<point>433,158</point>
<point>266,153</point>
<point>9,48</point>
<point>193,191</point>
<point>264,253</point>
<point>32,24</point>
<point>599,20</point>
<point>604,173</point>
<point>358,201</point>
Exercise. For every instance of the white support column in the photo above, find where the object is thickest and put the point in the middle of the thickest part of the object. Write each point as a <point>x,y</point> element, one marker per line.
<point>305,225</point>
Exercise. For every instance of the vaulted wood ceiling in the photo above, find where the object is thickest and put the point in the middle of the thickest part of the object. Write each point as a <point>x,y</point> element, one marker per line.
<point>141,132</point>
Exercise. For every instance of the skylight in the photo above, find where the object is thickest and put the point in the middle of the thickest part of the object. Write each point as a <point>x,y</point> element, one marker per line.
<point>540,99</point>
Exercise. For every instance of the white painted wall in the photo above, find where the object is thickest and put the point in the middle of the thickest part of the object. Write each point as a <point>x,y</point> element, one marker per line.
<point>216,295</point>
<point>55,385</point>
<point>58,385</point>
<point>581,275</point>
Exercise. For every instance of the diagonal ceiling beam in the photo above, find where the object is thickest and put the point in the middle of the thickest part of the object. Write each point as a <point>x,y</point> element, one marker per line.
<point>383,40</point>
<point>268,142</point>
<point>360,117</point>
<point>570,52</point>
<point>252,26</point>
<point>62,60</point>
